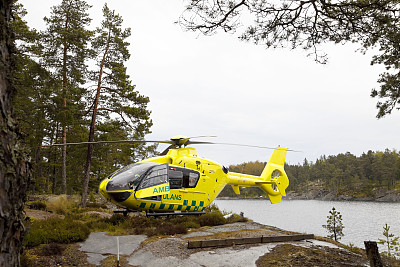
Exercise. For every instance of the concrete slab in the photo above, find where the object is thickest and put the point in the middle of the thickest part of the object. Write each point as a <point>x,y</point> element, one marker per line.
<point>99,245</point>
<point>218,257</point>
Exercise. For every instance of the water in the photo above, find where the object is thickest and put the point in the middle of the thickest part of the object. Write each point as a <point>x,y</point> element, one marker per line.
<point>363,221</point>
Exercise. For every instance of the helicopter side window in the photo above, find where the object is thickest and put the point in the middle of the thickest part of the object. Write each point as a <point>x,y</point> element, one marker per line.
<point>193,178</point>
<point>157,175</point>
<point>175,178</point>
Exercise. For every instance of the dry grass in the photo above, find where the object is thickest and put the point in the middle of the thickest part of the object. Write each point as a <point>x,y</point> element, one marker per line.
<point>61,204</point>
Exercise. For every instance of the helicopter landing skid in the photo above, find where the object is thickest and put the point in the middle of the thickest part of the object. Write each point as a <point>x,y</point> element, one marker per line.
<point>158,214</point>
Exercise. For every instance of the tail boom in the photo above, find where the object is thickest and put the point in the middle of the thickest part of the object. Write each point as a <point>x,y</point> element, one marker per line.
<point>273,179</point>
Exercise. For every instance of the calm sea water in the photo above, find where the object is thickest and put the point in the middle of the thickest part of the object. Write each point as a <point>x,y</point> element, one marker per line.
<point>362,220</point>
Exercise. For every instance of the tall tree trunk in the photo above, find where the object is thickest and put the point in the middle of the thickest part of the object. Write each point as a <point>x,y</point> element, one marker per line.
<point>49,158</point>
<point>14,167</point>
<point>92,129</point>
<point>54,156</point>
<point>64,127</point>
<point>38,168</point>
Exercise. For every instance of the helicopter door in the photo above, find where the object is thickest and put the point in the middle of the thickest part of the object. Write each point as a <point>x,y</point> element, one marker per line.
<point>176,181</point>
<point>155,182</point>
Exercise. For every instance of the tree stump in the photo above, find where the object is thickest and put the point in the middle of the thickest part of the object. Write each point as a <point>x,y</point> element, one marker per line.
<point>373,254</point>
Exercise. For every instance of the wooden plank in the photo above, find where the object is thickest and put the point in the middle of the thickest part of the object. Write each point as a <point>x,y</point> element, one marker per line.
<point>242,241</point>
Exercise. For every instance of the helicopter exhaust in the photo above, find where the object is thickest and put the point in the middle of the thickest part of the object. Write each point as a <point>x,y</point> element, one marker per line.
<point>272,181</point>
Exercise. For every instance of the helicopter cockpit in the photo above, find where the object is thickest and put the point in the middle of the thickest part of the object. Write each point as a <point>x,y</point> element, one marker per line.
<point>139,176</point>
<point>144,175</point>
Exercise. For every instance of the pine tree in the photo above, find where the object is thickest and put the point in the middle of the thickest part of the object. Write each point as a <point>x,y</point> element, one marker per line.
<point>114,90</point>
<point>66,52</point>
<point>33,80</point>
<point>391,241</point>
<point>334,225</point>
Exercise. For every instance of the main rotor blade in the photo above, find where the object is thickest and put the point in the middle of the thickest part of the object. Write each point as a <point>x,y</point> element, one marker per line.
<point>198,142</point>
<point>110,142</point>
<point>202,136</point>
<point>264,147</point>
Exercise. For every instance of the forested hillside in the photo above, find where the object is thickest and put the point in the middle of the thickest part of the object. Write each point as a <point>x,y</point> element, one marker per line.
<point>342,174</point>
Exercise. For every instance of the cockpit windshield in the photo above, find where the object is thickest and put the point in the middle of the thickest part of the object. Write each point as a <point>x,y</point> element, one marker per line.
<point>129,177</point>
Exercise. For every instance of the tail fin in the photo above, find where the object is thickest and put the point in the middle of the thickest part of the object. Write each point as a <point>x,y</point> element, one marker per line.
<point>274,176</point>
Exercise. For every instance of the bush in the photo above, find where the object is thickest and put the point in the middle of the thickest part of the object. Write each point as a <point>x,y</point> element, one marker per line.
<point>55,230</point>
<point>212,208</point>
<point>167,228</point>
<point>191,224</point>
<point>37,205</point>
<point>61,204</point>
<point>95,205</point>
<point>353,248</point>
<point>116,219</point>
<point>212,219</point>
<point>236,218</point>
<point>51,249</point>
<point>100,225</point>
<point>187,221</point>
<point>137,225</point>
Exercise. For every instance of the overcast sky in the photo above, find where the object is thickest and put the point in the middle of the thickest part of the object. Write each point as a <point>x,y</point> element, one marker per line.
<point>244,93</point>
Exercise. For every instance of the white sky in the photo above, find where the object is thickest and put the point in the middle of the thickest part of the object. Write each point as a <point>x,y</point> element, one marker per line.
<point>243,93</point>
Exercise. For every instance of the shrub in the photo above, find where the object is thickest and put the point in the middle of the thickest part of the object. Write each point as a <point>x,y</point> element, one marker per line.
<point>95,205</point>
<point>212,208</point>
<point>55,230</point>
<point>61,204</point>
<point>167,228</point>
<point>191,224</point>
<point>136,225</point>
<point>116,219</point>
<point>100,225</point>
<point>187,221</point>
<point>236,218</point>
<point>211,219</point>
<point>353,248</point>
<point>51,249</point>
<point>37,205</point>
<point>150,231</point>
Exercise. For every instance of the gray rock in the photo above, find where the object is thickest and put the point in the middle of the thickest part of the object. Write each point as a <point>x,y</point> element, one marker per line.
<point>98,245</point>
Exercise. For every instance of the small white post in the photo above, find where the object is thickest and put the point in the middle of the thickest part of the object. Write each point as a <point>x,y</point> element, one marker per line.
<point>117,251</point>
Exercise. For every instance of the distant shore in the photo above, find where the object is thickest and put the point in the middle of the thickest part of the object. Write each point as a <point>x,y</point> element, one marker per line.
<point>326,195</point>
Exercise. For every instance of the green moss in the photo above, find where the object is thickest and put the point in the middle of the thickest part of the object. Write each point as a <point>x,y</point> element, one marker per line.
<point>55,230</point>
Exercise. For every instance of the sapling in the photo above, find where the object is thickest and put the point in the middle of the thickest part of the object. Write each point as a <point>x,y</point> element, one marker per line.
<point>334,225</point>
<point>391,241</point>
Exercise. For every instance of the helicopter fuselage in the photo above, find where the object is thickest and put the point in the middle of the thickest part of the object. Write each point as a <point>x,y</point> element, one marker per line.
<point>194,183</point>
<point>183,181</point>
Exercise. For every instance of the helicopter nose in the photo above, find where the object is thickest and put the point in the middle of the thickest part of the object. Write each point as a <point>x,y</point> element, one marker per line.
<point>102,187</point>
<point>117,196</point>
<point>120,196</point>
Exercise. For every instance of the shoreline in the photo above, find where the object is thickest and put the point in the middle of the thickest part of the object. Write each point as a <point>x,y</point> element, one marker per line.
<point>296,196</point>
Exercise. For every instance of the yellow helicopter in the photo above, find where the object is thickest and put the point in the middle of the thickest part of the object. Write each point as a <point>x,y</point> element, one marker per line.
<point>181,181</point>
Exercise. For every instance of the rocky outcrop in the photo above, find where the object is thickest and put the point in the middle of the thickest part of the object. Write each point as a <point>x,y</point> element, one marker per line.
<point>322,193</point>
